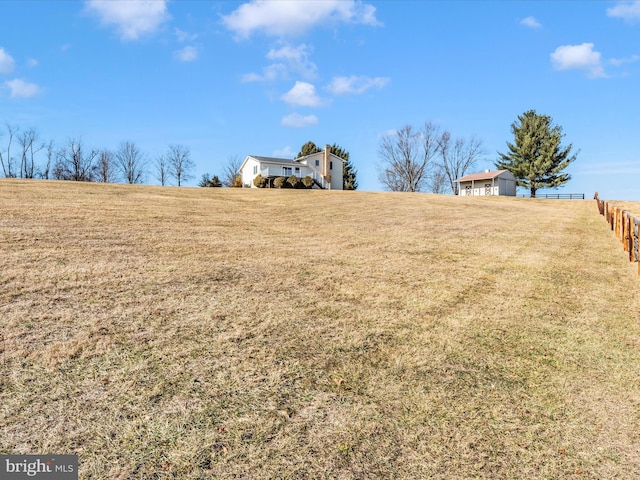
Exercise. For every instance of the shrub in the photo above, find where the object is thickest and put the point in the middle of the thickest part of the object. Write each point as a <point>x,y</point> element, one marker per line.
<point>279,182</point>
<point>308,181</point>
<point>237,183</point>
<point>293,181</point>
<point>260,181</point>
<point>207,181</point>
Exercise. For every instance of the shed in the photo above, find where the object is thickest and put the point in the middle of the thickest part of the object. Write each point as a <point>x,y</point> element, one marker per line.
<point>500,182</point>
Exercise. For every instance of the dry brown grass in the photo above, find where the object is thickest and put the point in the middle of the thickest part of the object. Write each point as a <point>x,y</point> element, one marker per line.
<point>199,333</point>
<point>632,208</point>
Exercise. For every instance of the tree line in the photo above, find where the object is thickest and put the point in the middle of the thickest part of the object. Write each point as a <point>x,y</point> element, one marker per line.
<point>413,159</point>
<point>23,154</point>
<point>425,159</point>
<point>429,159</point>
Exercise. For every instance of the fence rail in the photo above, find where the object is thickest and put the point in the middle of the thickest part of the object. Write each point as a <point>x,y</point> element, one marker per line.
<point>624,226</point>
<point>558,196</point>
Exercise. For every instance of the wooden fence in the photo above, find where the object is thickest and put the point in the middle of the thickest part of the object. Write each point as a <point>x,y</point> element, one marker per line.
<point>624,226</point>
<point>558,196</point>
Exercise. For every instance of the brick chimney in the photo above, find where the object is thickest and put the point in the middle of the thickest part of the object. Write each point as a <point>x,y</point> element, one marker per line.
<point>326,171</point>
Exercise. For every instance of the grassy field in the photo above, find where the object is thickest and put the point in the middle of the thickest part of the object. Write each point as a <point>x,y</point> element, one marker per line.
<point>632,208</point>
<point>216,333</point>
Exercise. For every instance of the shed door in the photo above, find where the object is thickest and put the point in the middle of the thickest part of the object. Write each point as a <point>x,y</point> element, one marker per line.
<point>487,189</point>
<point>467,190</point>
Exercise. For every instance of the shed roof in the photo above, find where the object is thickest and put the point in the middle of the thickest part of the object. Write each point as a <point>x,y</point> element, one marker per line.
<point>481,176</point>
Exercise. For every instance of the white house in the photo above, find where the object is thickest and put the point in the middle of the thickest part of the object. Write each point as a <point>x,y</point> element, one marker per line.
<point>324,167</point>
<point>500,182</point>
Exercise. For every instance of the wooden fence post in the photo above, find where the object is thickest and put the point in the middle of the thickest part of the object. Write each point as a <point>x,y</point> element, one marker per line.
<point>609,216</point>
<point>619,224</point>
<point>624,226</point>
<point>636,224</point>
<point>625,242</point>
<point>630,237</point>
<point>612,215</point>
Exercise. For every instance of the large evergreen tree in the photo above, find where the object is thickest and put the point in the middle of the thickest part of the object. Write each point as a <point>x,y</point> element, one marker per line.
<point>308,149</point>
<point>349,181</point>
<point>536,157</point>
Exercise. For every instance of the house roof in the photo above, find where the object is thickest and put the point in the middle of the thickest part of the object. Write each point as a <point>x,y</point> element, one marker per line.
<point>275,160</point>
<point>481,176</point>
<point>272,160</point>
<point>284,161</point>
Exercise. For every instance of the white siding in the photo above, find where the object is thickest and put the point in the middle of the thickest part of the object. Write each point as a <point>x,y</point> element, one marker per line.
<point>336,174</point>
<point>504,184</point>
<point>307,167</point>
<point>247,172</point>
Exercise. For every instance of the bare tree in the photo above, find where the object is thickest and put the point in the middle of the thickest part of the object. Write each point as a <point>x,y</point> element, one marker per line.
<point>74,163</point>
<point>5,159</point>
<point>162,169</point>
<point>105,168</point>
<point>130,162</point>
<point>47,166</point>
<point>28,141</point>
<point>231,171</point>
<point>408,157</point>
<point>459,158</point>
<point>438,181</point>
<point>180,163</point>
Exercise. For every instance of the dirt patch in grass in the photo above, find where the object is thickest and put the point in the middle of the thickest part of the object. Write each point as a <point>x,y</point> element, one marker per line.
<point>198,333</point>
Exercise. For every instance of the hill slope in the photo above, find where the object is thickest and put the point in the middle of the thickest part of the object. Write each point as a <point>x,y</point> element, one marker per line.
<point>190,333</point>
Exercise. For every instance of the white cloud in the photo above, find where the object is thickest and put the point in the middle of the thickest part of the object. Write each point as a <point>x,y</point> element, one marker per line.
<point>132,18</point>
<point>629,11</point>
<point>269,74</point>
<point>296,59</point>
<point>355,84</point>
<point>21,89</point>
<point>617,62</point>
<point>292,18</point>
<point>184,36</point>
<point>285,152</point>
<point>251,77</point>
<point>302,94</point>
<point>530,22</point>
<point>578,57</point>
<point>186,54</point>
<point>292,59</point>
<point>6,61</point>
<point>296,120</point>
<point>32,62</point>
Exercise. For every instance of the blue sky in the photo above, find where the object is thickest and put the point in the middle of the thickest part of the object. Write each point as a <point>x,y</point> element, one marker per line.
<point>264,77</point>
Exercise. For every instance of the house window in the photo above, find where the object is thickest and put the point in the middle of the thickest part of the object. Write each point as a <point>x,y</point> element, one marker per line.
<point>255,169</point>
<point>286,171</point>
<point>298,171</point>
<point>330,165</point>
<point>317,163</point>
